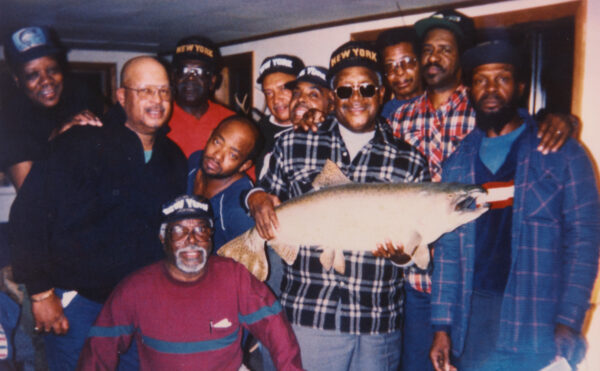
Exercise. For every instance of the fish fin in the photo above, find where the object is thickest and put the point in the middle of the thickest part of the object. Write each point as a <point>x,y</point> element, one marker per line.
<point>287,252</point>
<point>330,175</point>
<point>248,250</point>
<point>339,262</point>
<point>421,256</point>
<point>327,258</point>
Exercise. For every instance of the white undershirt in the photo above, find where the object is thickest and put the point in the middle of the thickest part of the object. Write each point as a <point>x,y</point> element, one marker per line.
<point>355,141</point>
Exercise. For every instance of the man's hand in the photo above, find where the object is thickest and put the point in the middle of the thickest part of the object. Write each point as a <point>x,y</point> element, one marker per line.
<point>555,130</point>
<point>310,120</point>
<point>393,252</point>
<point>262,208</point>
<point>85,117</point>
<point>440,352</point>
<point>48,315</point>
<point>568,343</point>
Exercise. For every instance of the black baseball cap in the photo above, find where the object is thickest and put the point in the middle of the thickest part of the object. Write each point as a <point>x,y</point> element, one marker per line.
<point>354,54</point>
<point>315,75</point>
<point>29,43</point>
<point>289,64</point>
<point>187,207</point>
<point>456,22</point>
<point>198,48</point>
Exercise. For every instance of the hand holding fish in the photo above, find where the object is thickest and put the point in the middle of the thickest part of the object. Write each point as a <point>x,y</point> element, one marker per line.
<point>394,252</point>
<point>262,208</point>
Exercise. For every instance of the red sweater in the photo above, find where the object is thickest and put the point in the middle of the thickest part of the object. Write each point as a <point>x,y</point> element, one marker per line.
<point>190,326</point>
<point>190,133</point>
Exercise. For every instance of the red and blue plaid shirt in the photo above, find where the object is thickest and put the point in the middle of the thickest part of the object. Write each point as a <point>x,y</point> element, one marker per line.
<point>436,133</point>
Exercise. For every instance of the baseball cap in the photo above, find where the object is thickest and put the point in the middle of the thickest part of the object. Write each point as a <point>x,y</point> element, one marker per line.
<point>187,207</point>
<point>29,43</point>
<point>494,51</point>
<point>198,48</point>
<point>458,23</point>
<point>289,64</point>
<point>353,54</point>
<point>315,75</point>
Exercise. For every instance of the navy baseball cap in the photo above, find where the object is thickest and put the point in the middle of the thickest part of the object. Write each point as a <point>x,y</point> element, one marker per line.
<point>187,207</point>
<point>29,43</point>
<point>315,75</point>
<point>354,54</point>
<point>495,51</point>
<point>284,63</point>
<point>198,48</point>
<point>456,22</point>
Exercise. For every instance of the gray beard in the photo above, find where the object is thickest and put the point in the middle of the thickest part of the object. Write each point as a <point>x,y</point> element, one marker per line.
<point>182,266</point>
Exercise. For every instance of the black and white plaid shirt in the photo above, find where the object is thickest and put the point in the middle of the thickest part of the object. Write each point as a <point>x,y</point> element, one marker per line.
<point>370,292</point>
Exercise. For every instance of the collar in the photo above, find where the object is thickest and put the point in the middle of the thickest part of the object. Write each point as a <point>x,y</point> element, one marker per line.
<point>383,131</point>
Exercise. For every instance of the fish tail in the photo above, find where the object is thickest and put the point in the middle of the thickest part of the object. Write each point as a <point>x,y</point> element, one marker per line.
<point>248,249</point>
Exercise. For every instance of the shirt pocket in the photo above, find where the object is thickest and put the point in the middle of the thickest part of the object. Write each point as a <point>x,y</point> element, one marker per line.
<point>543,199</point>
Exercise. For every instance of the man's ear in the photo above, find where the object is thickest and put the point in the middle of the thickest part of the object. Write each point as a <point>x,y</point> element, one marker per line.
<point>246,165</point>
<point>381,94</point>
<point>16,79</point>
<point>330,99</point>
<point>521,89</point>
<point>121,96</point>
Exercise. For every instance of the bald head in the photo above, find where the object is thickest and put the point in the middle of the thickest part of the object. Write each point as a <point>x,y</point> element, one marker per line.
<point>249,130</point>
<point>145,95</point>
<point>134,66</point>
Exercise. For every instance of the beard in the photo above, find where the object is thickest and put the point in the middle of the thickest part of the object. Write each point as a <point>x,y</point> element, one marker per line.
<point>181,264</point>
<point>495,120</point>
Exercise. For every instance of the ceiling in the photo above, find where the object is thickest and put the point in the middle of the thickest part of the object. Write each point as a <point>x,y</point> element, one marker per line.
<point>156,25</point>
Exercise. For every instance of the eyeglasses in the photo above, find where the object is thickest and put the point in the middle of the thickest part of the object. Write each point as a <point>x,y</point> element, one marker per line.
<point>178,232</point>
<point>185,71</point>
<point>407,63</point>
<point>164,93</point>
<point>365,90</point>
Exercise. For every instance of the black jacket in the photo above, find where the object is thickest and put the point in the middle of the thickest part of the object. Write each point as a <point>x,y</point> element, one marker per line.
<point>89,214</point>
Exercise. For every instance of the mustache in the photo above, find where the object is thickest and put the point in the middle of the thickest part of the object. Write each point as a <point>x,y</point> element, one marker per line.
<point>495,96</point>
<point>434,64</point>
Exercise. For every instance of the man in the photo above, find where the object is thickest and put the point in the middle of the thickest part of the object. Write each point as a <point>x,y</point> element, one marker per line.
<point>218,174</point>
<point>46,103</point>
<point>83,219</point>
<point>274,73</point>
<point>435,123</point>
<point>347,321</point>
<point>196,69</point>
<point>310,92</point>
<point>187,311</point>
<point>510,290</point>
<point>399,48</point>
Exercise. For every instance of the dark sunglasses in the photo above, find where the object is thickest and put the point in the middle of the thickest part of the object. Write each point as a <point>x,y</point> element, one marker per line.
<point>197,71</point>
<point>365,90</point>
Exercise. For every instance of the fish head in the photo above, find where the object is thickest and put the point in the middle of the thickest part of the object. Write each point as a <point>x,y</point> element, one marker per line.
<point>465,203</point>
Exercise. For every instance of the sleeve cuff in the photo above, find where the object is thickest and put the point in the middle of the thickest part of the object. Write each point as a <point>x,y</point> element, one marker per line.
<point>253,190</point>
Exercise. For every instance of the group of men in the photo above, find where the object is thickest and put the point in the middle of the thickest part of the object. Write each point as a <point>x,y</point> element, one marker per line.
<point>507,291</point>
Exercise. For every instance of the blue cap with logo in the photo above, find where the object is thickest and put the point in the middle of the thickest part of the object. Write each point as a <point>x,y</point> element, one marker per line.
<point>187,207</point>
<point>29,43</point>
<point>315,75</point>
<point>284,63</point>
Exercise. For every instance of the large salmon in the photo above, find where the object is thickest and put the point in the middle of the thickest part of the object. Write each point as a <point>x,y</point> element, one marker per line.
<point>356,217</point>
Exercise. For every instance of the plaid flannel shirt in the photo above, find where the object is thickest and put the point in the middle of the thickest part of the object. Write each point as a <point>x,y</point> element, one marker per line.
<point>436,133</point>
<point>555,238</point>
<point>370,293</point>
